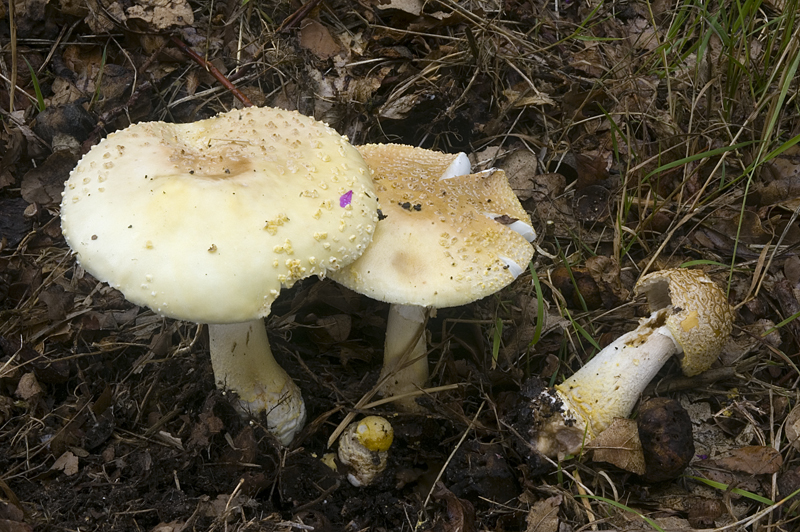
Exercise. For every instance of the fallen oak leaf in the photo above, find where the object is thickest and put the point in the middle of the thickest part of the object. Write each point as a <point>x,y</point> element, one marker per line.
<point>619,445</point>
<point>752,459</point>
<point>67,462</point>
<point>316,38</point>
<point>543,515</point>
<point>460,512</point>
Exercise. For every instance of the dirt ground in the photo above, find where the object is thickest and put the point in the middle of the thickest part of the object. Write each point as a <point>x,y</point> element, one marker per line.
<point>638,136</point>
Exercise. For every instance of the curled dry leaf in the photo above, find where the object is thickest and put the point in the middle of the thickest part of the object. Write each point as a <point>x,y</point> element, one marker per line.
<point>161,14</point>
<point>703,512</point>
<point>172,526</point>
<point>28,387</point>
<point>619,445</point>
<point>332,329</point>
<point>67,462</point>
<point>45,183</point>
<point>752,460</point>
<point>412,7</point>
<point>521,167</point>
<point>792,427</point>
<point>460,512</point>
<point>543,515</point>
<point>316,38</point>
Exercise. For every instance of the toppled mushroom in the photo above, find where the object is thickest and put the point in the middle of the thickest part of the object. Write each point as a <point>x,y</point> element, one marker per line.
<point>446,239</point>
<point>207,222</point>
<point>690,317</point>
<point>364,449</point>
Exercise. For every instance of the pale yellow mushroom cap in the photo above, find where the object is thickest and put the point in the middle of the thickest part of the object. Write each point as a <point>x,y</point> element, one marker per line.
<point>444,242</point>
<point>701,320</point>
<point>375,433</point>
<point>208,221</point>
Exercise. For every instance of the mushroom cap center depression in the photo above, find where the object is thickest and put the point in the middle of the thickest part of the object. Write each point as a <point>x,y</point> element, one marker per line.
<point>207,221</point>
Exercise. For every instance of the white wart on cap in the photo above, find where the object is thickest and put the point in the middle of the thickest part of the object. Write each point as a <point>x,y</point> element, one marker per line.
<point>208,221</point>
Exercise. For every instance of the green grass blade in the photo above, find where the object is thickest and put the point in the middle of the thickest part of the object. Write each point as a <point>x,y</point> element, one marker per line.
<point>537,287</point>
<point>698,156</point>
<point>36,88</point>
<point>737,491</point>
<point>498,335</point>
<point>625,508</point>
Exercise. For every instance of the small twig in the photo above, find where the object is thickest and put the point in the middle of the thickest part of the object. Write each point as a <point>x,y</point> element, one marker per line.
<point>295,18</point>
<point>711,376</point>
<point>453,453</point>
<point>322,496</point>
<point>12,23</point>
<point>219,76</point>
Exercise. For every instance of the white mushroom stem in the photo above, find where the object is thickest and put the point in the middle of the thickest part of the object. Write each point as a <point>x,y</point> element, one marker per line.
<point>242,361</point>
<point>609,385</point>
<point>405,360</point>
<point>691,317</point>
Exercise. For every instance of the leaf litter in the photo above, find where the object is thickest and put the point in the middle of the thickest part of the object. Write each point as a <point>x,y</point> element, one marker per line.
<point>638,136</point>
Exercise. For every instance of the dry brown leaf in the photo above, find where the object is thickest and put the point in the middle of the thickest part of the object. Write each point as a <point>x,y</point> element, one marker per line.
<point>526,99</point>
<point>336,328</point>
<point>460,512</point>
<point>521,167</point>
<point>589,60</point>
<point>753,460</point>
<point>172,526</point>
<point>788,484</point>
<point>10,512</point>
<point>412,7</point>
<point>28,387</point>
<point>793,427</point>
<point>162,14</point>
<point>619,445</point>
<point>316,38</point>
<point>398,108</point>
<point>543,515</point>
<point>791,270</point>
<point>45,183</point>
<point>58,302</point>
<point>606,273</point>
<point>14,526</point>
<point>67,462</point>
<point>747,228</point>
<point>703,512</point>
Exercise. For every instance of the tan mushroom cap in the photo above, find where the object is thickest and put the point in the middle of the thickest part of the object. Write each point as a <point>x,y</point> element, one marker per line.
<point>701,320</point>
<point>439,245</point>
<point>207,221</point>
